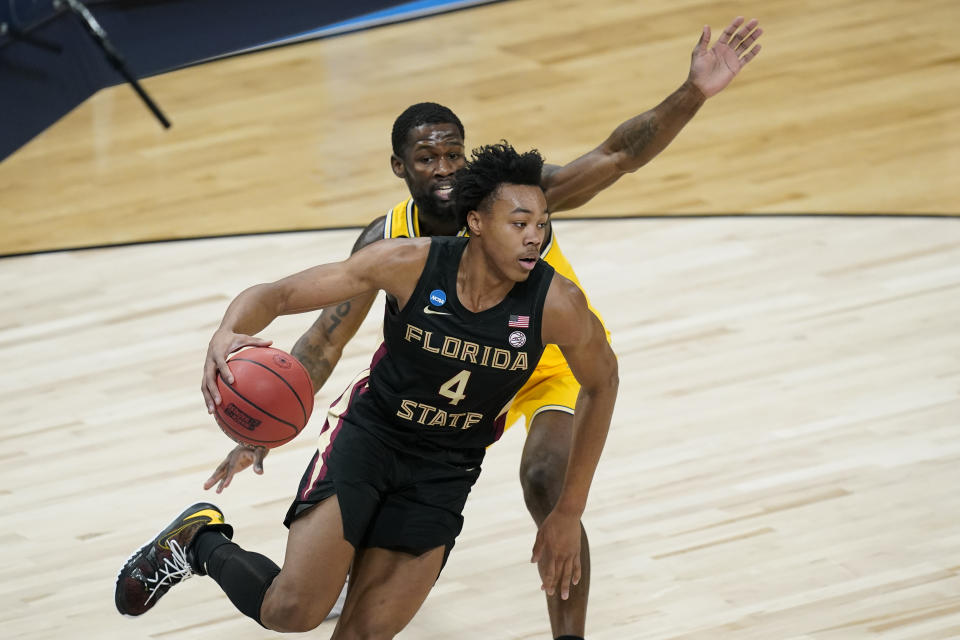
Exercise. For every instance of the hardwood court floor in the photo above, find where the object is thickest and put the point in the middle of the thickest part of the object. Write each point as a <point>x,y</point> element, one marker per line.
<point>783,462</point>
<point>850,108</point>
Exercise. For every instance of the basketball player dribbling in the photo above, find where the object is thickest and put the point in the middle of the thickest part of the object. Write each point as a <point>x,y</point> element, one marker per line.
<point>466,320</point>
<point>428,143</point>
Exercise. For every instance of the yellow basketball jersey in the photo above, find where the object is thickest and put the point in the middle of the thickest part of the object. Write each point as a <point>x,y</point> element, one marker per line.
<point>402,223</point>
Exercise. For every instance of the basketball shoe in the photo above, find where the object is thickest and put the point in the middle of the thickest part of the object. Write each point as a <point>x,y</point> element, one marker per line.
<point>166,560</point>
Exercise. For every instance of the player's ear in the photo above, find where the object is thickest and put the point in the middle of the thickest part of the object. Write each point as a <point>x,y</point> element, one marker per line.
<point>396,163</point>
<point>474,221</point>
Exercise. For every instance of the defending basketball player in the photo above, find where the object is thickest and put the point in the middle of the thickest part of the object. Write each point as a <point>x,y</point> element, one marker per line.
<point>465,322</point>
<point>428,143</point>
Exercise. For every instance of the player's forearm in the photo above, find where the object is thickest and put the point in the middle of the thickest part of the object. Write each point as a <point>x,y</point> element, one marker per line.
<point>592,415</point>
<point>252,310</point>
<point>631,145</point>
<point>638,140</point>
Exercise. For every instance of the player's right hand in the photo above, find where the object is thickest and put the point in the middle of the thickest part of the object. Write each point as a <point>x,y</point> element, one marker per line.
<point>236,461</point>
<point>222,344</point>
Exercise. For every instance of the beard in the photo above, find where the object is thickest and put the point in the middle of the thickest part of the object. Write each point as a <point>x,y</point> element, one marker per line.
<point>436,209</point>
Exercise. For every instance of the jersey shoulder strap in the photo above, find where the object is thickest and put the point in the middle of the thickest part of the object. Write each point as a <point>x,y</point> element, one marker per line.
<point>402,221</point>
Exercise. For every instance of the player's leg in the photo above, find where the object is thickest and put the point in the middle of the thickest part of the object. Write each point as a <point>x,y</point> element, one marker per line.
<point>198,542</point>
<point>543,466</point>
<point>314,568</point>
<point>406,542</point>
<point>386,589</point>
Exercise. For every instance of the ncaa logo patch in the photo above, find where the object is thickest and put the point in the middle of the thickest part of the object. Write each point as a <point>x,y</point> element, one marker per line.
<point>438,298</point>
<point>517,339</point>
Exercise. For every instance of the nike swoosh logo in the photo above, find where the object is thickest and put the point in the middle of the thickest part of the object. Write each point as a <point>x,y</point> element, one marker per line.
<point>212,516</point>
<point>430,312</point>
<point>215,516</point>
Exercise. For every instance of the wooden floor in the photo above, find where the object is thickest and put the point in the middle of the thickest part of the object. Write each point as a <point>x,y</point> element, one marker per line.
<point>783,463</point>
<point>851,107</point>
<point>785,454</point>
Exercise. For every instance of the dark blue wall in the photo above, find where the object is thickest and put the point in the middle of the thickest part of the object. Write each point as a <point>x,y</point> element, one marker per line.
<point>38,87</point>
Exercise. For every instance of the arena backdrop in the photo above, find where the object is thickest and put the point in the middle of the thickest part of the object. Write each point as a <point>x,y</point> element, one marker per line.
<point>842,113</point>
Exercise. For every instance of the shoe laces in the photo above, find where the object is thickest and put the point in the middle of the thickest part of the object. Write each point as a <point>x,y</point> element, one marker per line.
<point>173,570</point>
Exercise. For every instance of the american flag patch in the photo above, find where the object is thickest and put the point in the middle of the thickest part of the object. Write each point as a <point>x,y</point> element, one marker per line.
<point>519,322</point>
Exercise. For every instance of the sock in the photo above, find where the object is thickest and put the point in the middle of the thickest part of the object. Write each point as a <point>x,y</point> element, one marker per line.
<point>206,542</point>
<point>243,575</point>
<point>569,638</point>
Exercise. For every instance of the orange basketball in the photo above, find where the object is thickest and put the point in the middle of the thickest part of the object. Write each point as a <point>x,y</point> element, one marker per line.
<point>270,400</point>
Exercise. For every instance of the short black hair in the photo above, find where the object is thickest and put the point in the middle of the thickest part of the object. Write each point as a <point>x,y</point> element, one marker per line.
<point>420,114</point>
<point>489,167</point>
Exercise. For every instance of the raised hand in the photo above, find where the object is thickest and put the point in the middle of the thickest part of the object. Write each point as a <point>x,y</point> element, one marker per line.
<point>713,68</point>
<point>236,461</point>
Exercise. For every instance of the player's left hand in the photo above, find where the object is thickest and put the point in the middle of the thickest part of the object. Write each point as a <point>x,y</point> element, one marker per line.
<point>713,68</point>
<point>242,456</point>
<point>557,553</point>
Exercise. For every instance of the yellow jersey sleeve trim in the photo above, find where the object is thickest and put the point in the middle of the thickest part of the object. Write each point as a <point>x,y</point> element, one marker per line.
<point>401,221</point>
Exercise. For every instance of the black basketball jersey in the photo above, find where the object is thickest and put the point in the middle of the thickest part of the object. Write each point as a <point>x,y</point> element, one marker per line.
<point>446,375</point>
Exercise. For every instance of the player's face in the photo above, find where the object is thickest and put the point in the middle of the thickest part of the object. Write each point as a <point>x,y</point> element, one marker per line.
<point>432,155</point>
<point>512,232</point>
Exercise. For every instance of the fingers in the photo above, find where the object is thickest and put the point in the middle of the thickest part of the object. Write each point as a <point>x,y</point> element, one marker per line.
<point>212,480</point>
<point>258,455</point>
<point>560,573</point>
<point>236,461</point>
<point>735,41</point>
<point>727,34</point>
<point>749,40</point>
<point>223,369</point>
<point>225,482</point>
<point>565,577</point>
<point>225,472</point>
<point>750,55</point>
<point>223,344</point>
<point>208,386</point>
<point>703,42</point>
<point>548,576</point>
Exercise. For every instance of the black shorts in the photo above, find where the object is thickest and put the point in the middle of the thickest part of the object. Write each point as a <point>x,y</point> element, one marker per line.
<point>389,498</point>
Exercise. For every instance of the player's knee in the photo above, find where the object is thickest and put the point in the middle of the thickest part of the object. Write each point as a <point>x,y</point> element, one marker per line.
<point>544,462</point>
<point>541,475</point>
<point>290,612</point>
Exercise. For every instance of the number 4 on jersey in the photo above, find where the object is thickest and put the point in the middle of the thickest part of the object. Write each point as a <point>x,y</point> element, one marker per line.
<point>454,387</point>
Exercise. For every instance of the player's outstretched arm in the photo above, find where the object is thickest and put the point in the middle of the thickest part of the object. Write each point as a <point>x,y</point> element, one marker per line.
<point>391,265</point>
<point>638,140</point>
<point>320,347</point>
<point>570,324</point>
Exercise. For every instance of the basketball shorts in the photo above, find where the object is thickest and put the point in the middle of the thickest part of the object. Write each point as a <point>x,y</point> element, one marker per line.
<point>389,498</point>
<point>550,388</point>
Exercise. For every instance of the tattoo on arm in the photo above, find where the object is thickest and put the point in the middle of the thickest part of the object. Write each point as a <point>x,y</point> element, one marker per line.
<point>638,133</point>
<point>318,366</point>
<point>338,315</point>
<point>319,348</point>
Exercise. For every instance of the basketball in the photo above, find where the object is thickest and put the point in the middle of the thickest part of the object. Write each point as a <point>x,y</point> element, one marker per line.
<point>270,400</point>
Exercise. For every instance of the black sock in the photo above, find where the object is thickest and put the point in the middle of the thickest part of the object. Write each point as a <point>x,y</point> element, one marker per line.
<point>569,638</point>
<point>243,575</point>
<point>203,546</point>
